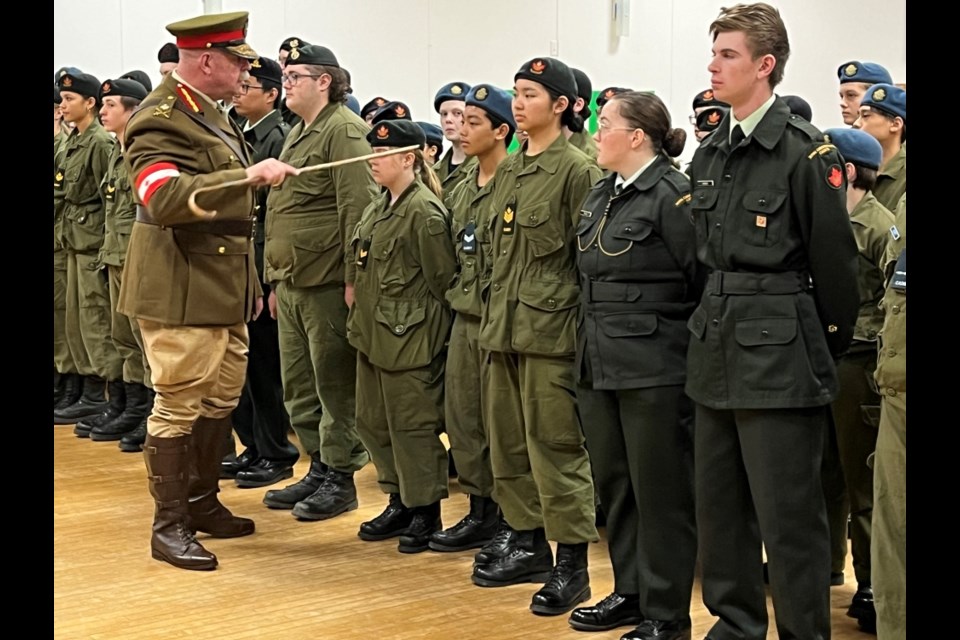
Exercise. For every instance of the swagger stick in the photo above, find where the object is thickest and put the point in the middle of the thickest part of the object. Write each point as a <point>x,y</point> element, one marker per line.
<point>207,214</point>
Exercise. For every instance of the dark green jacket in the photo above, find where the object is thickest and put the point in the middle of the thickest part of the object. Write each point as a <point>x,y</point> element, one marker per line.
<point>85,160</point>
<point>120,210</point>
<point>781,299</point>
<point>450,179</point>
<point>404,264</point>
<point>266,141</point>
<point>871,227</point>
<point>531,302</point>
<point>313,216</point>
<point>584,141</point>
<point>891,374</point>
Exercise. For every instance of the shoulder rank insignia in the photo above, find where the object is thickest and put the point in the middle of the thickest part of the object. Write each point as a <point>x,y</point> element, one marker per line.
<point>163,109</point>
<point>508,221</point>
<point>819,151</point>
<point>683,200</point>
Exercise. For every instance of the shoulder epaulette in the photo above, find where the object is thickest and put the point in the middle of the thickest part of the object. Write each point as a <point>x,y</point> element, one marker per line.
<point>799,123</point>
<point>820,150</point>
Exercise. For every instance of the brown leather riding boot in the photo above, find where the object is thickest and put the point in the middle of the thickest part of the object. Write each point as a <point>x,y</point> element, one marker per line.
<point>173,541</point>
<point>206,512</point>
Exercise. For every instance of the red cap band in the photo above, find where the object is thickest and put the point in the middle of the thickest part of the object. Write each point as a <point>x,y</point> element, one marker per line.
<point>200,42</point>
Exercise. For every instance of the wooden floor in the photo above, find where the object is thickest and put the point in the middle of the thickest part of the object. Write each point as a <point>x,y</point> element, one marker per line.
<point>291,580</point>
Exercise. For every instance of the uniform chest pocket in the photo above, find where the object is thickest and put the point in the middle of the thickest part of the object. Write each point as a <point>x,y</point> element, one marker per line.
<point>764,217</point>
<point>628,325</point>
<point>222,158</point>
<point>540,230</point>
<point>79,188</point>
<point>392,266</point>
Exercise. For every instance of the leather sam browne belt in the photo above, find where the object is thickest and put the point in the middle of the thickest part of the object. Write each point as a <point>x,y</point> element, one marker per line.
<point>229,227</point>
<point>747,283</point>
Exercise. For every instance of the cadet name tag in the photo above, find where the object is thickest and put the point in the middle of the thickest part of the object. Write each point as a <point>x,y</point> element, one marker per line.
<point>899,280</point>
<point>469,242</point>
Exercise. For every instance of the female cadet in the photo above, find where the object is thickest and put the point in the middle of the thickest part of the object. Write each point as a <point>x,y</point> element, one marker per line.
<point>88,298</point>
<point>127,410</point>
<point>398,324</point>
<point>638,283</point>
<point>541,471</point>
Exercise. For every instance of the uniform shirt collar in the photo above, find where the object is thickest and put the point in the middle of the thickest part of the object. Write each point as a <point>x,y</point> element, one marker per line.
<point>250,126</point>
<point>621,182</point>
<point>748,124</point>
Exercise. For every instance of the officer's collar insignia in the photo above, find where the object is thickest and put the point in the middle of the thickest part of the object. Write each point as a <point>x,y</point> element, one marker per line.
<point>835,176</point>
<point>187,97</point>
<point>851,69</point>
<point>383,133</point>
<point>456,90</point>
<point>481,93</point>
<point>538,67</point>
<point>879,95</point>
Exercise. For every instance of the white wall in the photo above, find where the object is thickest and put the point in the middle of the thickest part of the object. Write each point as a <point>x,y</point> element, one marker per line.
<point>407,49</point>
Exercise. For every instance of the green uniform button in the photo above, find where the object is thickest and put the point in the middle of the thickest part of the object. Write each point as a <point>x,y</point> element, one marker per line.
<point>496,287</point>
<point>715,322</point>
<point>399,328</point>
<point>466,289</point>
<point>551,303</point>
<point>896,308</point>
<point>81,218</point>
<point>891,392</point>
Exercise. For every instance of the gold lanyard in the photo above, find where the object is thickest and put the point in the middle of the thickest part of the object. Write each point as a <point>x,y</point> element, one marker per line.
<point>596,237</point>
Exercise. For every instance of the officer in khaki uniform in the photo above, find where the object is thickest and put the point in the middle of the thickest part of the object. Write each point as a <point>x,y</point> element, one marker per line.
<point>452,167</point>
<point>128,409</point>
<point>856,411</point>
<point>309,227</point>
<point>883,114</point>
<point>541,471</point>
<point>780,302</point>
<point>87,325</point>
<point>889,544</point>
<point>486,133</point>
<point>582,139</point>
<point>191,282</point>
<point>399,324</point>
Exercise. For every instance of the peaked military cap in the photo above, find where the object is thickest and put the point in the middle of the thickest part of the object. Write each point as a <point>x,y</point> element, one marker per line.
<point>432,132</point>
<point>552,74</point>
<point>313,54</point>
<point>123,88</point>
<point>266,69</point>
<point>168,53</point>
<point>372,106</point>
<point>495,101</point>
<point>140,77</point>
<point>215,30</point>
<point>396,133</point>
<point>83,83</point>
<point>393,110</point>
<point>451,91</point>
<point>608,93</point>
<point>856,146</point>
<point>868,72</point>
<point>888,98</point>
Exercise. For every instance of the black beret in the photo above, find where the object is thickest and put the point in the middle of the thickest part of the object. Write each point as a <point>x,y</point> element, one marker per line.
<point>313,54</point>
<point>495,101</point>
<point>608,93</point>
<point>123,88</point>
<point>83,83</point>
<point>63,70</point>
<point>140,77</point>
<point>168,53</point>
<point>707,99</point>
<point>800,107</point>
<point>266,69</point>
<point>450,91</point>
<point>710,118</point>
<point>552,74</point>
<point>432,132</point>
<point>56,95</point>
<point>292,43</point>
<point>584,86</point>
<point>396,133</point>
<point>372,106</point>
<point>393,110</point>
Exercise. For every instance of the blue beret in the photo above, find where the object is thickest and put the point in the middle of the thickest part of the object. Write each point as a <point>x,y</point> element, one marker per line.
<point>856,146</point>
<point>353,104</point>
<point>433,133</point>
<point>393,110</point>
<point>396,133</point>
<point>452,91</point>
<point>868,72</point>
<point>552,74</point>
<point>495,101</point>
<point>888,98</point>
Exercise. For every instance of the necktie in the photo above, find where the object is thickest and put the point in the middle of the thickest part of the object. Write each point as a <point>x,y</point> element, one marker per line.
<point>736,137</point>
<point>618,189</point>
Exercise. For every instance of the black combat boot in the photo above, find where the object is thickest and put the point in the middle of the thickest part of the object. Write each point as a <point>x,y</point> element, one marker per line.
<point>134,411</point>
<point>391,523</point>
<point>205,511</point>
<point>425,522</point>
<point>85,402</point>
<point>71,387</point>
<point>569,584</point>
<point>499,546</point>
<point>289,496</point>
<point>862,608</point>
<point>529,559</point>
<point>58,382</point>
<point>336,494</point>
<point>115,405</point>
<point>173,541</point>
<point>475,530</point>
<point>133,441</point>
